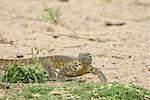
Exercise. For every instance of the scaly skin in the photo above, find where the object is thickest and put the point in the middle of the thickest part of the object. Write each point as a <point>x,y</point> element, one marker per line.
<point>68,66</point>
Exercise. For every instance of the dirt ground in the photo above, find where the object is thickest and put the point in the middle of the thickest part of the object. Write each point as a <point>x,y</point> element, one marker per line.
<point>115,32</point>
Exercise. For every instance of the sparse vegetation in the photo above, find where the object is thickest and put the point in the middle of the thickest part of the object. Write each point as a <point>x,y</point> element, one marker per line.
<point>18,72</point>
<point>23,73</point>
<point>80,91</point>
<point>51,14</point>
<point>34,53</point>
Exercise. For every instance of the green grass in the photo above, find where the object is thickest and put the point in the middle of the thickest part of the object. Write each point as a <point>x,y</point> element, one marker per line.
<point>31,73</point>
<point>18,72</point>
<point>79,91</point>
<point>51,14</point>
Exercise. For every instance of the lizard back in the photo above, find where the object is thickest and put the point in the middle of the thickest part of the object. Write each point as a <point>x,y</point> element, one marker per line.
<point>55,60</point>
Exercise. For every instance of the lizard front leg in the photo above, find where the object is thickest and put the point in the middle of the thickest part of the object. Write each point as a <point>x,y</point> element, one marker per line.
<point>64,72</point>
<point>97,71</point>
<point>69,70</point>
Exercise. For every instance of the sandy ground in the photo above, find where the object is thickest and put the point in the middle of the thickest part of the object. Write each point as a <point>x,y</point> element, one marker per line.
<point>115,32</point>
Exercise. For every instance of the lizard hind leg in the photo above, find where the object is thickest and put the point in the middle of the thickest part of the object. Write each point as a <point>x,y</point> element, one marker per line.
<point>51,72</point>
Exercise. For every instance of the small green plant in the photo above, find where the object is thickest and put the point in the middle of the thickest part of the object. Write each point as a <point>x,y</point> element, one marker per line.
<point>34,53</point>
<point>51,14</point>
<point>18,72</point>
<point>25,73</point>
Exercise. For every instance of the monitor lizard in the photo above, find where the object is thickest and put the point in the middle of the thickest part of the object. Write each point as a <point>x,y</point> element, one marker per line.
<point>68,66</point>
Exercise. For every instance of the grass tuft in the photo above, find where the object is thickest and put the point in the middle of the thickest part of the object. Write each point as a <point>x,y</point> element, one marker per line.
<point>18,72</point>
<point>51,14</point>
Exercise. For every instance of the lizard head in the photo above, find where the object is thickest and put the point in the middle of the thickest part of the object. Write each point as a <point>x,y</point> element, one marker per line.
<point>85,58</point>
